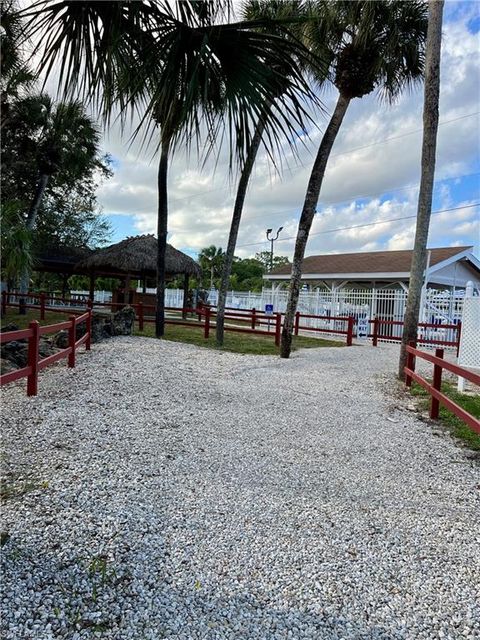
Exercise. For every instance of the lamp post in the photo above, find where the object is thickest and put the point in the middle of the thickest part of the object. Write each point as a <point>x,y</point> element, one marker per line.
<point>272,240</point>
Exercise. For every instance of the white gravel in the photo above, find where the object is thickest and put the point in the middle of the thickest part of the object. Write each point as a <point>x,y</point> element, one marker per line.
<point>161,490</point>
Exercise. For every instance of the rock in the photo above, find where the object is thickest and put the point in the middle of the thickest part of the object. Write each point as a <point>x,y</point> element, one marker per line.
<point>16,352</point>
<point>6,366</point>
<point>10,327</point>
<point>123,321</point>
<point>60,339</point>
<point>101,328</point>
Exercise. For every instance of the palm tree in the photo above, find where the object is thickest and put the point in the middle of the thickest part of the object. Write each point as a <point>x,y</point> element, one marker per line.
<point>275,12</point>
<point>430,126</point>
<point>15,75</point>
<point>373,44</point>
<point>65,139</point>
<point>212,259</point>
<point>180,68</point>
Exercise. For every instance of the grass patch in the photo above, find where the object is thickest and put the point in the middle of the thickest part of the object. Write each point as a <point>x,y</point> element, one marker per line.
<point>22,322</point>
<point>459,429</point>
<point>234,342</point>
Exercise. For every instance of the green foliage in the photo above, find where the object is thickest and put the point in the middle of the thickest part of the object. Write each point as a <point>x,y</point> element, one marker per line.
<point>469,402</point>
<point>211,260</point>
<point>235,342</point>
<point>16,244</point>
<point>264,258</point>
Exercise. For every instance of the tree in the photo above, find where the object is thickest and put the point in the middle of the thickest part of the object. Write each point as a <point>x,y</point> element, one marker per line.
<point>275,12</point>
<point>211,259</point>
<point>265,256</point>
<point>16,240</point>
<point>372,45</point>
<point>16,77</point>
<point>179,65</point>
<point>429,145</point>
<point>42,141</point>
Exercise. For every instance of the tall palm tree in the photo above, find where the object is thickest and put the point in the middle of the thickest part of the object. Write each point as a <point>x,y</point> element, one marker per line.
<point>429,146</point>
<point>178,65</point>
<point>275,12</point>
<point>373,44</point>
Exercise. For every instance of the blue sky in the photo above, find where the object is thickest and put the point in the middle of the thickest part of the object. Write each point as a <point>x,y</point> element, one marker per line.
<point>376,182</point>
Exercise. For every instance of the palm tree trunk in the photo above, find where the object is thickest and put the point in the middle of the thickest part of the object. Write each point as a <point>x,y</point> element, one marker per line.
<point>162,227</point>
<point>429,146</point>
<point>37,201</point>
<point>306,219</point>
<point>30,223</point>
<point>234,226</point>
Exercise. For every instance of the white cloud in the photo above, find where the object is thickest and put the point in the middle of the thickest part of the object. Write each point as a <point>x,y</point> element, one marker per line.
<point>201,200</point>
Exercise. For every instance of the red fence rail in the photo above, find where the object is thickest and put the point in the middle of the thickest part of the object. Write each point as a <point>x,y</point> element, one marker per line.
<point>34,362</point>
<point>437,397</point>
<point>423,327</point>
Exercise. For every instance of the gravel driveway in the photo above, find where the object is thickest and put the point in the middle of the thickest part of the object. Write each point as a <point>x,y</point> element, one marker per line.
<point>162,490</point>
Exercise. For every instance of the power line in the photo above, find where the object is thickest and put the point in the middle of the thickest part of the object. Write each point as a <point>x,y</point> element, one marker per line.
<point>342,153</point>
<point>352,199</point>
<point>359,226</point>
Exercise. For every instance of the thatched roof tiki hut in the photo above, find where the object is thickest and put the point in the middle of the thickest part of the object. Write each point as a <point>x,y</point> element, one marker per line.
<point>137,257</point>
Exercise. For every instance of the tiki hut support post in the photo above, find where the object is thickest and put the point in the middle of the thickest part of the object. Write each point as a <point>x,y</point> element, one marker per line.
<point>126,295</point>
<point>65,277</point>
<point>91,289</point>
<point>185,295</point>
<point>144,283</point>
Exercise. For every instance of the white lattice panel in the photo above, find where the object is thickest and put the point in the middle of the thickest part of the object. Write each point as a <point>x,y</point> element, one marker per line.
<point>469,352</point>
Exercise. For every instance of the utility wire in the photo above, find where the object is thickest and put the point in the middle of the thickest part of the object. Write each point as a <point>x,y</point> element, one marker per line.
<point>342,153</point>
<point>352,199</point>
<point>359,226</point>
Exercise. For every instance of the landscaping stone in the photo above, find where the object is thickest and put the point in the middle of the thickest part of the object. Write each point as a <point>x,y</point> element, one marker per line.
<point>123,322</point>
<point>185,493</point>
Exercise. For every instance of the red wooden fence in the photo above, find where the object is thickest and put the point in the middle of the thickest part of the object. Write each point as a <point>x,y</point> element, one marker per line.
<point>377,334</point>
<point>437,397</point>
<point>34,363</point>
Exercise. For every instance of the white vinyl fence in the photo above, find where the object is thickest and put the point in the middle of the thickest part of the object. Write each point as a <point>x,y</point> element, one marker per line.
<point>469,350</point>
<point>440,307</point>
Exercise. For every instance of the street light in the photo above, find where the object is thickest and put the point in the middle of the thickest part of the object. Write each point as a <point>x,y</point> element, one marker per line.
<point>272,240</point>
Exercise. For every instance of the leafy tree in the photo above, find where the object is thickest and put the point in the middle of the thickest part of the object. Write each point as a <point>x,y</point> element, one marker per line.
<point>371,45</point>
<point>264,258</point>
<point>429,146</point>
<point>16,243</point>
<point>182,67</point>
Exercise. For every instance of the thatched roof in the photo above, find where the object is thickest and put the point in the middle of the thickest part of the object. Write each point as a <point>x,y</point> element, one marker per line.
<point>138,255</point>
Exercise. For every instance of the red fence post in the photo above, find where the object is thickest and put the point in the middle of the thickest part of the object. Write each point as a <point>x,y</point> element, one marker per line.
<point>375,333</point>
<point>278,328</point>
<point>42,306</point>
<point>410,364</point>
<point>254,318</point>
<point>350,331</point>
<point>297,323</point>
<point>207,323</point>
<point>140,316</point>
<point>459,333</point>
<point>89,303</point>
<point>71,341</point>
<point>33,342</point>
<point>437,384</point>
<point>4,303</point>
<point>88,323</point>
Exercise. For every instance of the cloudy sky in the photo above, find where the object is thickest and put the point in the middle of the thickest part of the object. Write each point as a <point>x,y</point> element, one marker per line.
<point>368,201</point>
